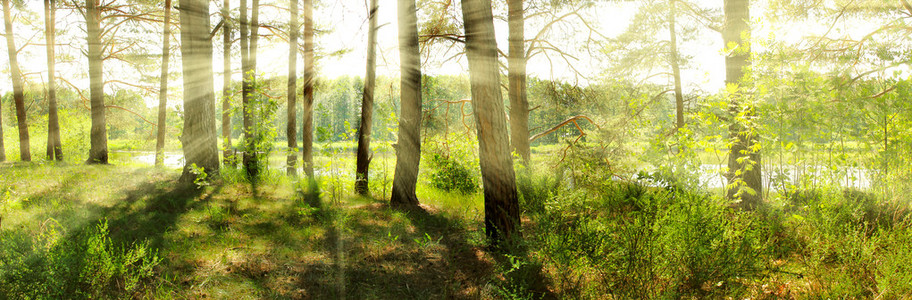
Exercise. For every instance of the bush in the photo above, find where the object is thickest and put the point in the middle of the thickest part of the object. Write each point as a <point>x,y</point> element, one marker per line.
<point>449,175</point>
<point>52,265</point>
<point>629,240</point>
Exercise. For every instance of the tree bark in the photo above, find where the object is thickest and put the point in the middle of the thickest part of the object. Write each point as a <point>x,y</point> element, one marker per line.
<point>307,127</point>
<point>18,94</point>
<point>737,14</point>
<point>54,147</point>
<point>2,146</point>
<point>408,149</point>
<point>501,202</point>
<point>199,139</point>
<point>363,158</point>
<point>519,104</point>
<point>98,150</point>
<point>251,160</point>
<point>675,68</point>
<point>163,86</point>
<point>291,130</point>
<point>228,154</point>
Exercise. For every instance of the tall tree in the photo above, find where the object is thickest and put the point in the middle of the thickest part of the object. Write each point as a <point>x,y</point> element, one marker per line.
<point>226,84</point>
<point>18,95</point>
<point>501,202</point>
<point>675,67</point>
<point>307,127</point>
<point>98,150</point>
<point>408,149</point>
<point>2,146</point>
<point>163,86</point>
<point>199,139</point>
<point>291,130</point>
<point>519,104</point>
<point>744,174</point>
<point>248,65</point>
<point>54,147</point>
<point>362,164</point>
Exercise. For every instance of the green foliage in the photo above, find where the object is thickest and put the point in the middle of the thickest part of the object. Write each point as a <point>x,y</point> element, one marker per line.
<point>451,175</point>
<point>452,163</point>
<point>83,265</point>
<point>201,178</point>
<point>631,240</point>
<point>262,133</point>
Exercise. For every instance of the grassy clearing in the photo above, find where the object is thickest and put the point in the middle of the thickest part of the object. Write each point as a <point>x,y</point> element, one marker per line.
<point>77,231</point>
<point>229,240</point>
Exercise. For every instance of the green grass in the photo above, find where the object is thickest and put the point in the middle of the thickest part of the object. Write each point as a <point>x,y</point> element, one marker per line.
<point>284,239</point>
<point>229,240</point>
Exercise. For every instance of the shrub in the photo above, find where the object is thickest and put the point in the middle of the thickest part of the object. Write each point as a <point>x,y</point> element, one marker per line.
<point>629,240</point>
<point>52,265</point>
<point>448,174</point>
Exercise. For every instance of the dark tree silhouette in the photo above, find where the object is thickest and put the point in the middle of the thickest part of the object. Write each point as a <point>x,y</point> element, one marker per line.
<point>307,127</point>
<point>363,158</point>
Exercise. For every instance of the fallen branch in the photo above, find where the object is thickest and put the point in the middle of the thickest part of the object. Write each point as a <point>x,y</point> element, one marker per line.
<point>568,121</point>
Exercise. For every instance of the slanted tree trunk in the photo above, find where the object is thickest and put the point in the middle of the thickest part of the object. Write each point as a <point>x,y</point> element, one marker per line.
<point>54,147</point>
<point>737,13</point>
<point>519,105</point>
<point>291,130</point>
<point>18,97</point>
<point>675,68</point>
<point>163,87</point>
<point>408,149</point>
<point>98,150</point>
<point>226,85</point>
<point>199,139</point>
<point>363,158</point>
<point>501,202</point>
<point>307,127</point>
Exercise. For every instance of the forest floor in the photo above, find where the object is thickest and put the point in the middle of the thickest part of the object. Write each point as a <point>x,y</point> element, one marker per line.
<point>114,231</point>
<point>237,241</point>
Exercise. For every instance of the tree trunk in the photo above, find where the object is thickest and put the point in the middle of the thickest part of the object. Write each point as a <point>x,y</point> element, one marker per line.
<point>251,160</point>
<point>363,158</point>
<point>675,68</point>
<point>291,130</point>
<point>2,146</point>
<point>501,202</point>
<point>228,154</point>
<point>199,139</point>
<point>519,104</point>
<point>737,14</point>
<point>307,127</point>
<point>98,150</point>
<point>408,149</point>
<point>54,147</point>
<point>163,87</point>
<point>18,96</point>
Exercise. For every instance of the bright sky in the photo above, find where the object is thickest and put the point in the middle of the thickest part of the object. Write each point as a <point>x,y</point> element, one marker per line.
<point>348,25</point>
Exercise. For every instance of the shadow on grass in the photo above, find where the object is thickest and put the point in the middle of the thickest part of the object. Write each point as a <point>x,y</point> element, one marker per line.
<point>372,257</point>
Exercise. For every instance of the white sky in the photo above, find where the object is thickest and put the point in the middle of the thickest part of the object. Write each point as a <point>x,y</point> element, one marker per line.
<point>347,21</point>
